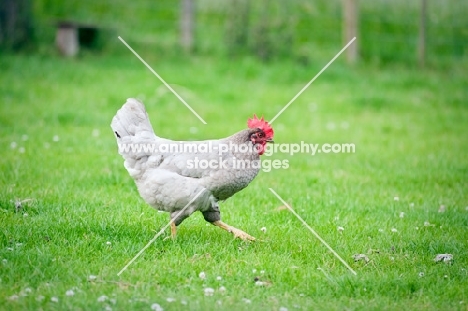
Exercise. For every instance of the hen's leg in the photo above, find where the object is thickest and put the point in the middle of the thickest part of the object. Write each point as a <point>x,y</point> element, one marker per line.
<point>236,232</point>
<point>173,230</point>
<point>213,216</point>
<point>176,220</point>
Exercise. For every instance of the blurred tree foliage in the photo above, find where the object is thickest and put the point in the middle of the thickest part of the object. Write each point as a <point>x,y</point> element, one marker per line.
<point>16,24</point>
<point>265,28</point>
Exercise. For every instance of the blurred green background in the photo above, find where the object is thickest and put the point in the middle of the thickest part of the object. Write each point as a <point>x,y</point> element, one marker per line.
<point>408,119</point>
<point>300,30</point>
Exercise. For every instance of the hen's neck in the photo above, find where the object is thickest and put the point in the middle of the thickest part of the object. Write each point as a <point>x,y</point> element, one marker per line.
<point>242,138</point>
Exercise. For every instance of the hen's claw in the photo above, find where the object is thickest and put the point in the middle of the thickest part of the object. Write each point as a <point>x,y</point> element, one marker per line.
<point>241,235</point>
<point>236,232</point>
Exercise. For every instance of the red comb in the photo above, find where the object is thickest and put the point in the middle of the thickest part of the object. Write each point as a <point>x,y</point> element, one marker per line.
<point>261,124</point>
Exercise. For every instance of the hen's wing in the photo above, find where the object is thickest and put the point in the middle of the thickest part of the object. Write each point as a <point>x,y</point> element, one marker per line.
<point>171,192</point>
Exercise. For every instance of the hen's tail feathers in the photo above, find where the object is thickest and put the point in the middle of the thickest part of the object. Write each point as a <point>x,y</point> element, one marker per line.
<point>132,120</point>
<point>135,136</point>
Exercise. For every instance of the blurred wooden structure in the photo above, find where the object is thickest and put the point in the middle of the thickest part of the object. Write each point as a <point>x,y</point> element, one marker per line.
<point>350,29</point>
<point>187,25</point>
<point>71,35</point>
<point>422,34</point>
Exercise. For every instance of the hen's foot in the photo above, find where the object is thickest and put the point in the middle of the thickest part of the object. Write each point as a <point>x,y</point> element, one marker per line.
<point>173,232</point>
<point>236,232</point>
<point>241,234</point>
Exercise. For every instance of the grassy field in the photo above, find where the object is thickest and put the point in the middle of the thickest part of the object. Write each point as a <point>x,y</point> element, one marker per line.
<point>86,218</point>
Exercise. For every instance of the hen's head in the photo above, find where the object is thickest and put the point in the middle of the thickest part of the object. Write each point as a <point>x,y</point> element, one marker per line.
<point>263,133</point>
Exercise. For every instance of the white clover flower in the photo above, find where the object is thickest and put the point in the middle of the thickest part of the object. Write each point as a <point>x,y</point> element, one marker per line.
<point>209,291</point>
<point>92,277</point>
<point>202,275</point>
<point>13,145</point>
<point>283,309</point>
<point>263,229</point>
<point>102,298</point>
<point>447,258</point>
<point>70,292</point>
<point>22,150</point>
<point>156,307</point>
<point>358,257</point>
<point>396,198</point>
<point>24,137</point>
<point>222,289</point>
<point>381,230</point>
<point>340,229</point>
<point>40,298</point>
<point>170,299</point>
<point>56,138</point>
<point>108,243</point>
<point>218,278</point>
<point>254,270</point>
<point>54,299</point>
<point>13,297</point>
<point>394,230</point>
<point>402,214</point>
<point>246,300</point>
<point>442,209</point>
<point>421,274</point>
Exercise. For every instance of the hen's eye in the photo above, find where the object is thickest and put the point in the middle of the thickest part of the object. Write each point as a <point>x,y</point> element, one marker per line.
<point>261,135</point>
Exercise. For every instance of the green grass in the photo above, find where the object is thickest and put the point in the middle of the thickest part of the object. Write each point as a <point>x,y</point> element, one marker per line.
<point>409,129</point>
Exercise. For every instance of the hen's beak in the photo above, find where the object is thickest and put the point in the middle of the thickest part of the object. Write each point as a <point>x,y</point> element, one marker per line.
<point>270,140</point>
